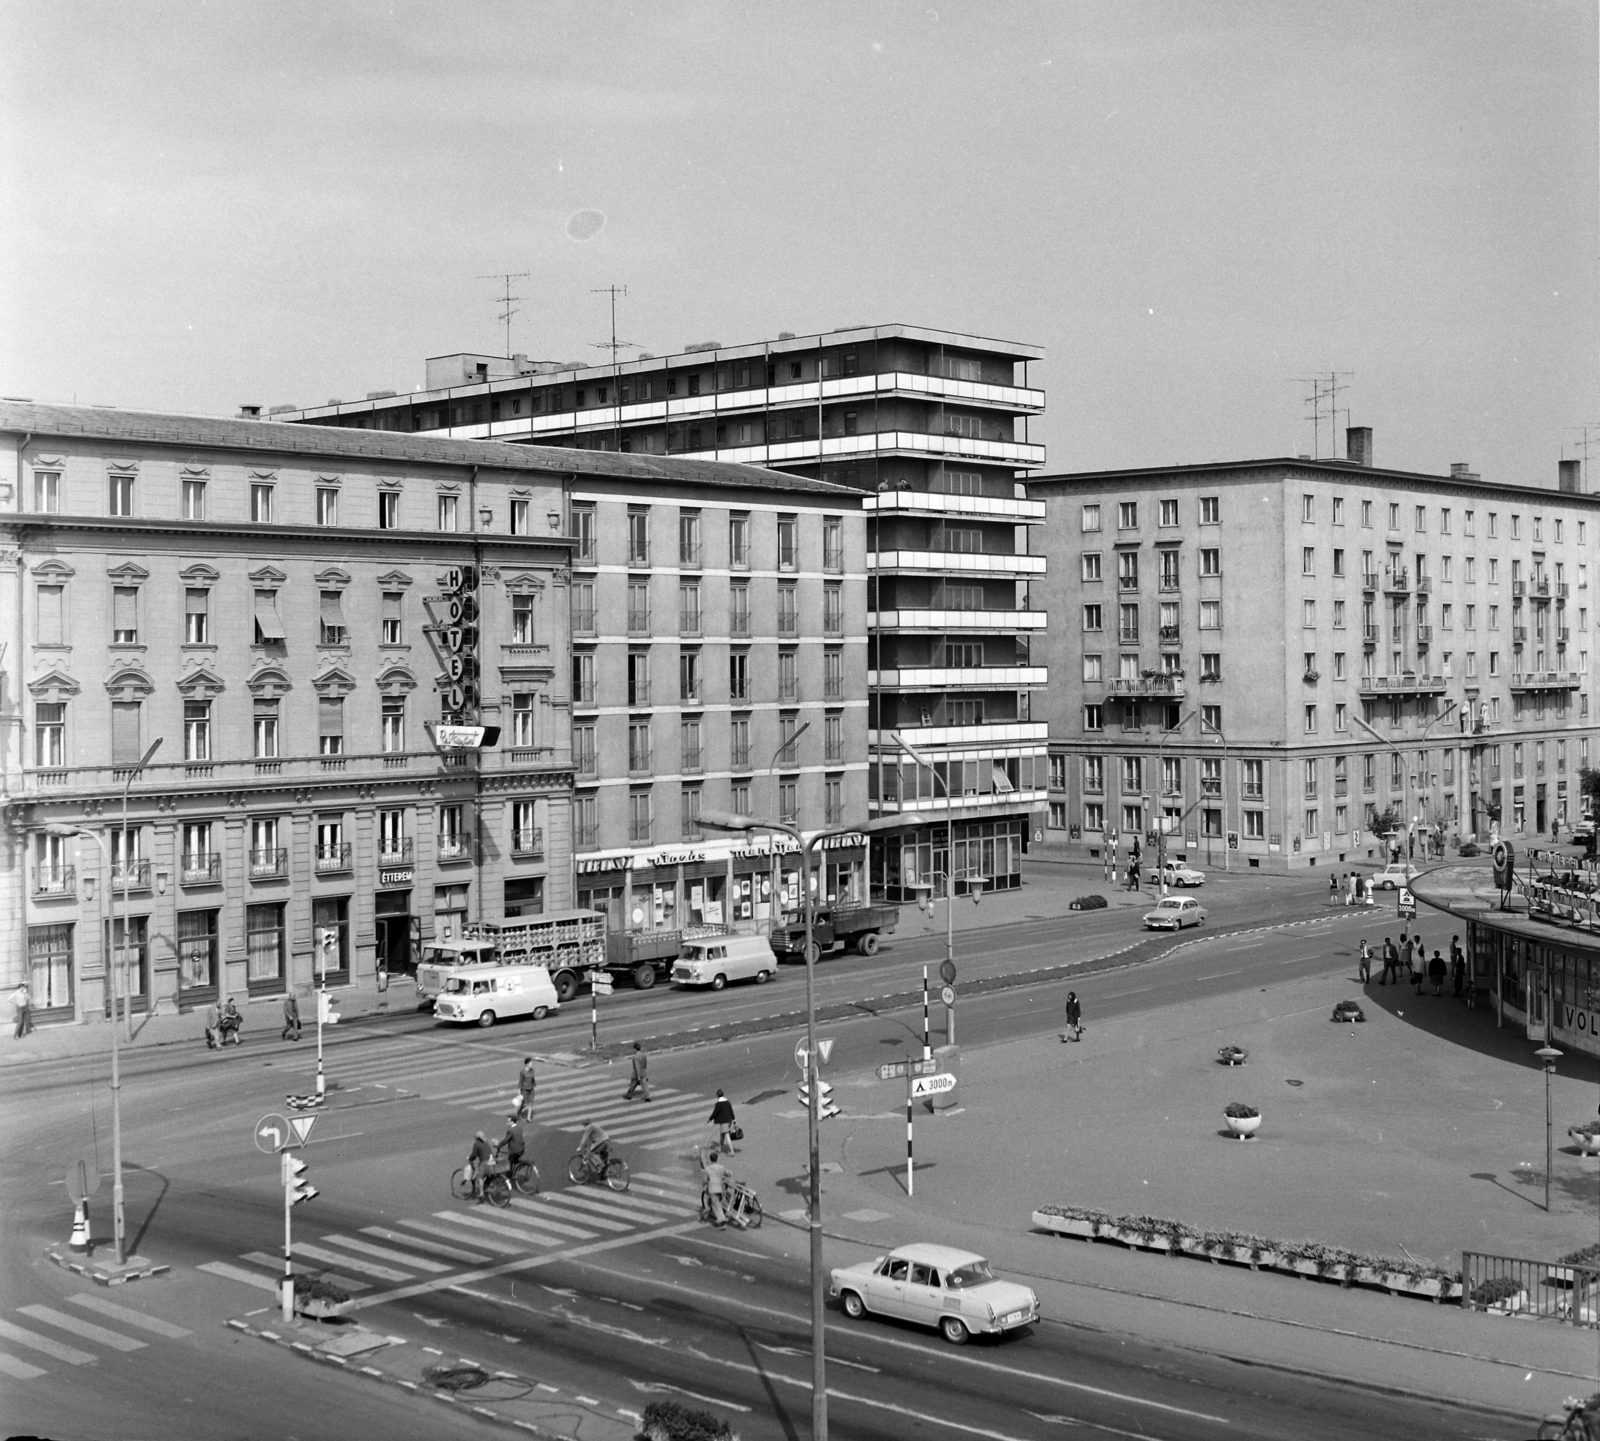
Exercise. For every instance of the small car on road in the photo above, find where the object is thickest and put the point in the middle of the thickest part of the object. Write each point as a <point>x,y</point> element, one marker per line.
<point>1394,875</point>
<point>1178,874</point>
<point>935,1286</point>
<point>1174,913</point>
<point>715,960</point>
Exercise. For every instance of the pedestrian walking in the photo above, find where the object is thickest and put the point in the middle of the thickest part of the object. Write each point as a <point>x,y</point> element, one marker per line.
<point>1407,958</point>
<point>526,1085</point>
<point>1437,970</point>
<point>641,1064</point>
<point>722,1119</point>
<point>230,1023</point>
<point>1355,887</point>
<point>291,1018</point>
<point>1555,831</point>
<point>213,1023</point>
<point>1458,969</point>
<point>1133,875</point>
<point>1366,963</point>
<point>22,1004</point>
<point>1391,962</point>
<point>1074,1017</point>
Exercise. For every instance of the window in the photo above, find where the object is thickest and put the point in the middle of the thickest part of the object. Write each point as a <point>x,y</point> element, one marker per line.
<point>330,725</point>
<point>788,677</point>
<point>638,678</point>
<point>394,724</point>
<point>50,732</point>
<point>788,734</point>
<point>1128,570</point>
<point>125,615</point>
<point>1366,514</point>
<point>689,538</point>
<point>1494,662</point>
<point>1308,507</point>
<point>639,747</point>
<point>739,676</point>
<point>1128,623</point>
<point>1210,665</point>
<point>1210,719</point>
<point>689,744</point>
<point>1494,525</point>
<point>1169,570</point>
<point>832,608</point>
<point>833,800</point>
<point>126,733</point>
<point>638,535</point>
<point>1091,517</point>
<point>1251,784</point>
<point>1308,613</point>
<point>739,541</point>
<point>47,614</point>
<point>1091,565</point>
<point>268,624</point>
<point>1128,515</point>
<point>788,542</point>
<point>1091,668</point>
<point>689,813</point>
<point>638,607</point>
<point>1394,515</point>
<point>1516,526</point>
<point>1338,562</point>
<point>739,742</point>
<point>1093,717</point>
<point>788,802</point>
<point>197,730</point>
<point>788,609</point>
<point>833,675</point>
<point>327,505</point>
<point>689,675</point>
<point>1308,560</point>
<point>585,823</point>
<point>196,616</point>
<point>392,632</point>
<point>121,495</point>
<point>1211,615</point>
<point>264,944</point>
<point>1211,560</point>
<point>449,511</point>
<point>833,737</point>
<point>641,819</point>
<point>47,491</point>
<point>832,543</point>
<point>332,615</point>
<point>583,678</point>
<point>1338,510</point>
<point>1338,615</point>
<point>585,757</point>
<point>1420,520</point>
<point>1494,617</point>
<point>261,503</point>
<point>1210,510</point>
<point>193,500</point>
<point>265,728</point>
<point>1169,512</point>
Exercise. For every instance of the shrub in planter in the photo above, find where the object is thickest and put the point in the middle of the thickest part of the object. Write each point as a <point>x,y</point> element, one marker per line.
<point>1232,1055</point>
<point>668,1421</point>
<point>1088,903</point>
<point>1239,1111</point>
<point>315,1288</point>
<point>1493,1291</point>
<point>1348,1011</point>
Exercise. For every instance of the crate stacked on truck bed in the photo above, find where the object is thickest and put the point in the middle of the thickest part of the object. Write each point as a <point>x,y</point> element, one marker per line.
<point>566,943</point>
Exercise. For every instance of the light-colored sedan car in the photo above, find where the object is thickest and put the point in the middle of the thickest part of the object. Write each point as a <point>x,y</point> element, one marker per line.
<point>1178,874</point>
<point>1174,913</point>
<point>1394,875</point>
<point>935,1286</point>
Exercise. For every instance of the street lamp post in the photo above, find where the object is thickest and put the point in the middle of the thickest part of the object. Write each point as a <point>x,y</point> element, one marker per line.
<point>727,821</point>
<point>949,871</point>
<point>1161,819</point>
<point>1206,725</point>
<point>1549,1055</point>
<point>122,951</point>
<point>1405,768</point>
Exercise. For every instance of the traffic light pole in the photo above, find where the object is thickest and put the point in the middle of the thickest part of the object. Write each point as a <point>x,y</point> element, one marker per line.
<point>288,1243</point>
<point>819,1371</point>
<point>322,1007</point>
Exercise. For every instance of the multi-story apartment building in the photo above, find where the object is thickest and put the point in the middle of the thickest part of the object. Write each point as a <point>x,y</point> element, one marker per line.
<point>718,659</point>
<point>932,425</point>
<point>1257,657</point>
<point>272,606</point>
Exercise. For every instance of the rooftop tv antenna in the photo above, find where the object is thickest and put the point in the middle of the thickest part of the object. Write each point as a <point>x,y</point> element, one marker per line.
<point>507,299</point>
<point>1588,439</point>
<point>1324,389</point>
<point>614,345</point>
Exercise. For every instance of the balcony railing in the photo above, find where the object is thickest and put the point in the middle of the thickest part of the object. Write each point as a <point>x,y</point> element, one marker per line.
<point>1369,635</point>
<point>1369,580</point>
<point>1128,635</point>
<point>1127,582</point>
<point>130,876</point>
<point>1424,635</point>
<point>268,864</point>
<point>394,851</point>
<point>688,622</point>
<point>638,622</point>
<point>1408,683</point>
<point>691,762</point>
<point>528,843</point>
<point>332,858</point>
<point>55,880</point>
<point>788,625</point>
<point>1397,582</point>
<point>739,625</point>
<point>1539,588</point>
<point>1155,685</point>
<point>200,868</point>
<point>689,556</point>
<point>583,622</point>
<point>1519,634</point>
<point>1169,633</point>
<point>453,849</point>
<point>1546,680</point>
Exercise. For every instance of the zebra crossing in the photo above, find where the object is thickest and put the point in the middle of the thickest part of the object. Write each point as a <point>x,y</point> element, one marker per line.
<point>455,1243</point>
<point>42,1337</point>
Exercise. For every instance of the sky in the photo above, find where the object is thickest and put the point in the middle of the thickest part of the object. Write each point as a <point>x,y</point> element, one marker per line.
<point>1191,206</point>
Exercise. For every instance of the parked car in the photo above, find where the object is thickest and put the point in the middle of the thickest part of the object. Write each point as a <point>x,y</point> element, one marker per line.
<point>1174,913</point>
<point>1582,829</point>
<point>715,960</point>
<point>1394,875</point>
<point>935,1286</point>
<point>1178,874</point>
<point>485,994</point>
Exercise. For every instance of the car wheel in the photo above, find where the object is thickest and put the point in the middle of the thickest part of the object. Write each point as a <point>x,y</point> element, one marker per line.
<point>540,1012</point>
<point>718,982</point>
<point>644,976</point>
<point>486,1019</point>
<point>854,1307</point>
<point>566,986</point>
<point>762,977</point>
<point>816,952</point>
<point>868,944</point>
<point>954,1330</point>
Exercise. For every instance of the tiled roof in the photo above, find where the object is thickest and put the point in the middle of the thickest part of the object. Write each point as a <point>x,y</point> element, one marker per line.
<point>211,432</point>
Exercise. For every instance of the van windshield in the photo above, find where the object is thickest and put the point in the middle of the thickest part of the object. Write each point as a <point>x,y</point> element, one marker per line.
<point>456,986</point>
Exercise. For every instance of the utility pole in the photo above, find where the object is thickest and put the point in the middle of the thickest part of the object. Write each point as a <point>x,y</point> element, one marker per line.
<point>614,345</point>
<point>507,299</point>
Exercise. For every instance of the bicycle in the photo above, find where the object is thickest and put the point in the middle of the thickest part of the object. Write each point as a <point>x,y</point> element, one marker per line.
<point>586,1168</point>
<point>496,1187</point>
<point>739,1203</point>
<point>1579,1423</point>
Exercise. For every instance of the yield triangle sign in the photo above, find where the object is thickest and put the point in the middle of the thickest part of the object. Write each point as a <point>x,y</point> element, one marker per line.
<point>824,1049</point>
<point>302,1126</point>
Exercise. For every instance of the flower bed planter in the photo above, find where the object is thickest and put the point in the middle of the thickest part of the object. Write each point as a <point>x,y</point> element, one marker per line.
<point>1243,1127</point>
<point>319,1308</point>
<point>1586,1140</point>
<point>1232,1055</point>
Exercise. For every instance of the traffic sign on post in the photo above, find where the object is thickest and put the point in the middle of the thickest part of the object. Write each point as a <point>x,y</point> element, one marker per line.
<point>302,1127</point>
<point>1407,906</point>
<point>272,1134</point>
<point>802,1054</point>
<point>83,1180</point>
<point>948,995</point>
<point>932,1085</point>
<point>947,972</point>
<point>896,1070</point>
<point>824,1097</point>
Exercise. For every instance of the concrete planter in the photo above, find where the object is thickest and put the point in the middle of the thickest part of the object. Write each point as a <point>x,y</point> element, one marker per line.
<point>319,1308</point>
<point>1139,1241</point>
<point>1588,1143</point>
<point>1510,1306</point>
<point>1067,1226</point>
<point>1243,1127</point>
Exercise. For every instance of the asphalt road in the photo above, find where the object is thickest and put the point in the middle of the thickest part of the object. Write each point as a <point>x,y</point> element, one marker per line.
<point>618,1299</point>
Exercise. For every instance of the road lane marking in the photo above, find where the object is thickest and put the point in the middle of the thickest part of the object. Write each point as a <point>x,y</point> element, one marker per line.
<point>383,1253</point>
<point>238,1273</point>
<point>129,1315</point>
<point>653,1388</point>
<point>1218,975</point>
<point>832,1360</point>
<point>731,1250</point>
<point>275,1265</point>
<point>437,1248</point>
<point>32,1339</point>
<point>428,1228</point>
<point>523,1238</point>
<point>86,1329</point>
<point>19,1370</point>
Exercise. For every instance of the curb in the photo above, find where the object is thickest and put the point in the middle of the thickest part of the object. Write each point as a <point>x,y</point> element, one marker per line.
<point>552,1394</point>
<point>91,1272</point>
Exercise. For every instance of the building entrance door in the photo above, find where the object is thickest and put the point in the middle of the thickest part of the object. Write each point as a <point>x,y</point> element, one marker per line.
<point>394,951</point>
<point>1535,993</point>
<point>1539,808</point>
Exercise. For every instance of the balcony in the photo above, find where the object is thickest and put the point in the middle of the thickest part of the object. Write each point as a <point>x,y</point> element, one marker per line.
<point>1369,636</point>
<point>997,621</point>
<point>1424,635</point>
<point>130,875</point>
<point>927,502</point>
<point>528,845</point>
<point>1397,582</point>
<point>452,850</point>
<point>1169,634</point>
<point>59,880</point>
<point>980,677</point>
<point>1369,580</point>
<point>1539,589</point>
<point>200,868</point>
<point>394,851</point>
<point>1408,683</point>
<point>1519,587</point>
<point>956,562</point>
<point>331,763</point>
<point>1536,680</point>
<point>1424,584</point>
<point>269,865</point>
<point>333,858</point>
<point>1167,687</point>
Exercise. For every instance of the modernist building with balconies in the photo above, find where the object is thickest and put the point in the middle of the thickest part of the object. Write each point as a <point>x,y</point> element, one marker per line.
<point>933,426</point>
<point>289,612</point>
<point>1258,657</point>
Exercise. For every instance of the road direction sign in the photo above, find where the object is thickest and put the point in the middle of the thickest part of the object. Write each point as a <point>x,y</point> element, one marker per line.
<point>932,1085</point>
<point>302,1127</point>
<point>83,1180</point>
<point>948,995</point>
<point>802,1052</point>
<point>1408,903</point>
<point>272,1134</point>
<point>893,1070</point>
<point>825,1048</point>
<point>947,972</point>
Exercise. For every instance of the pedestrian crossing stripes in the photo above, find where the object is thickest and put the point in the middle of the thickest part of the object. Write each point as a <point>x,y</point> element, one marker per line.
<point>421,1251</point>
<point>45,1343</point>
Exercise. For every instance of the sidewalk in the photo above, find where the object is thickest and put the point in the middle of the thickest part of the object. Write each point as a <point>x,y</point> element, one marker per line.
<point>1398,1138</point>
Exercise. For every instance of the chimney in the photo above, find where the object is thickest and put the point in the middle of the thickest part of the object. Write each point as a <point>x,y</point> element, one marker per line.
<point>1358,445</point>
<point>249,412</point>
<point>1571,479</point>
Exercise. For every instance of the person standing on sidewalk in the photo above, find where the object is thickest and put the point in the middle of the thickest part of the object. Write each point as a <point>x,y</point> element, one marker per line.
<point>1391,962</point>
<point>1333,889</point>
<point>1407,958</point>
<point>1074,1017</point>
<point>1437,971</point>
<point>722,1119</point>
<point>22,1004</point>
<point>291,1018</point>
<point>1366,962</point>
<point>1458,965</point>
<point>641,1064</point>
<point>526,1084</point>
<point>213,1021</point>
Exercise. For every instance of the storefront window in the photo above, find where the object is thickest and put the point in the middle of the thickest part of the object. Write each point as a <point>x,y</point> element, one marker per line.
<point>133,979</point>
<point>197,950</point>
<point>50,967</point>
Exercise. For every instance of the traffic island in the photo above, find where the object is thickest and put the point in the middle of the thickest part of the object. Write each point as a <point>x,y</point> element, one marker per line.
<point>503,1398</point>
<point>107,1272</point>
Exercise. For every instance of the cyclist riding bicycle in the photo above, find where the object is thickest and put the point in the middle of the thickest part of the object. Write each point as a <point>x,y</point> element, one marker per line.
<point>479,1160</point>
<point>595,1143</point>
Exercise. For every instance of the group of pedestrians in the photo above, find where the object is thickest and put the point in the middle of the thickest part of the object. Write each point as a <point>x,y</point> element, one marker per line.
<point>1355,888</point>
<point>1411,956</point>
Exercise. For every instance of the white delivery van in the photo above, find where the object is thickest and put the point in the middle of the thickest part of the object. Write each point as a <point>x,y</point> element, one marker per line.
<point>716,960</point>
<point>442,958</point>
<point>486,994</point>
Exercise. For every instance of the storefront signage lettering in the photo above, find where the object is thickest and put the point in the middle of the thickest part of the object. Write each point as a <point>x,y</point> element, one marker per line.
<point>1579,1021</point>
<point>673,858</point>
<point>595,864</point>
<point>396,878</point>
